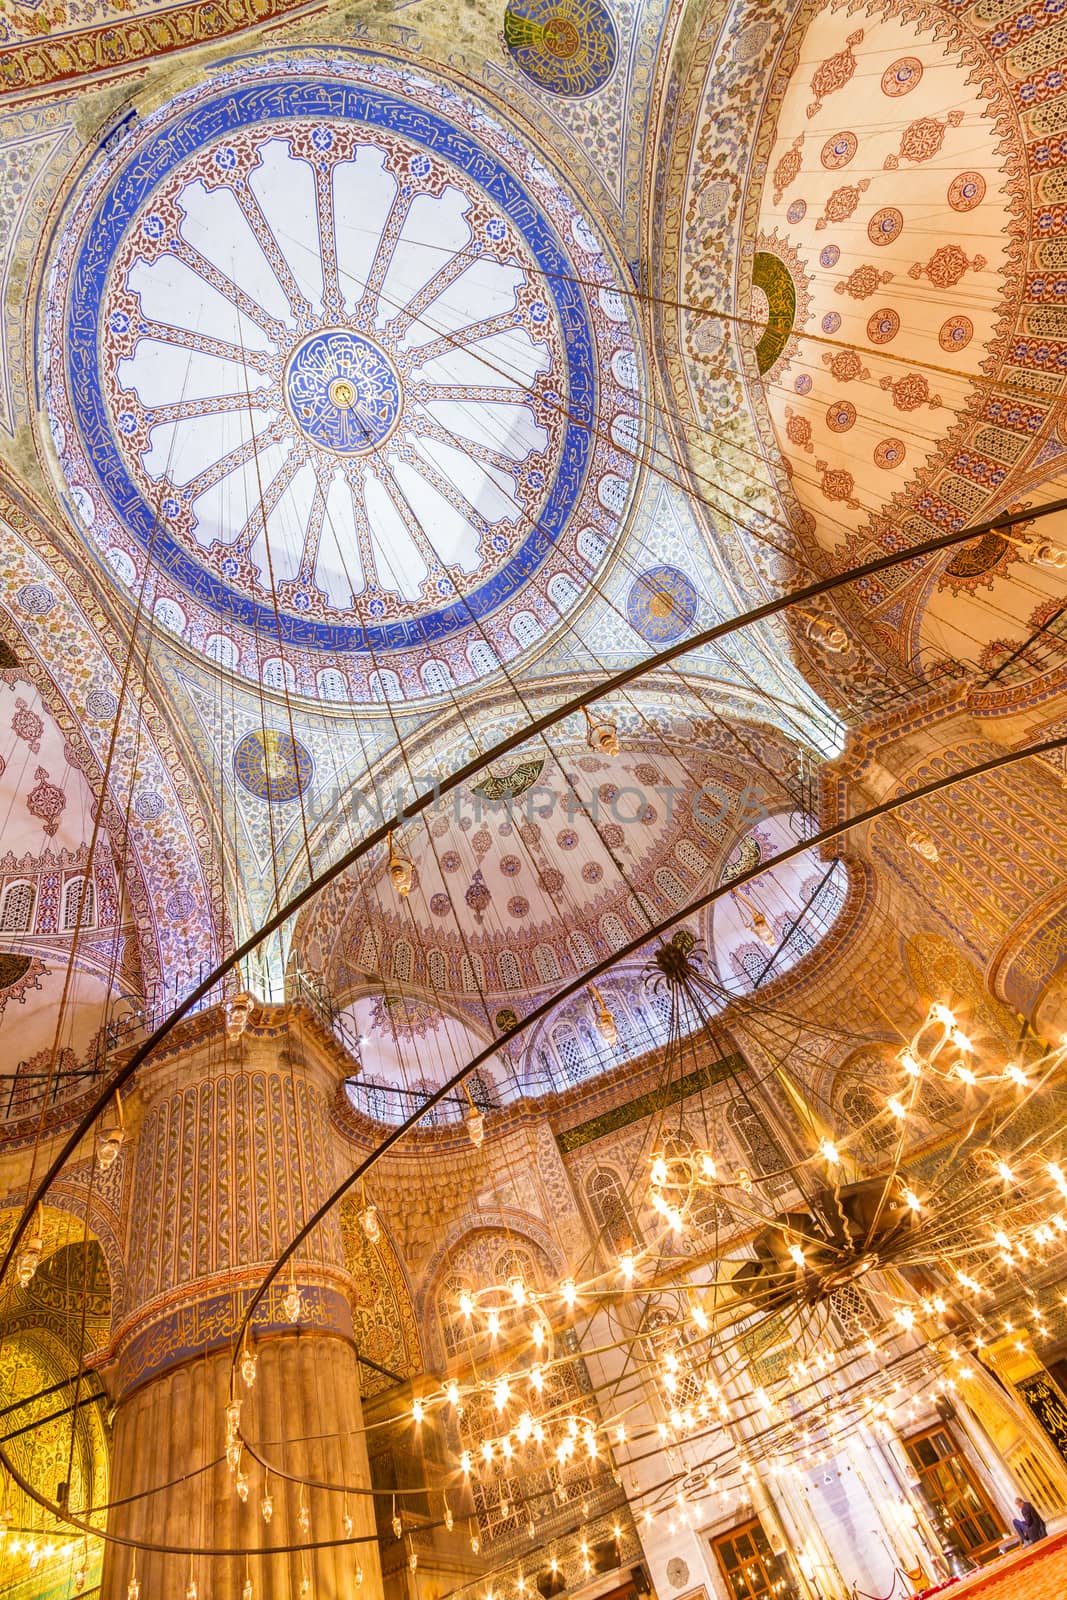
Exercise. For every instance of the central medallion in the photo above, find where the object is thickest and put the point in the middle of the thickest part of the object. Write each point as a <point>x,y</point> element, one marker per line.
<point>343,392</point>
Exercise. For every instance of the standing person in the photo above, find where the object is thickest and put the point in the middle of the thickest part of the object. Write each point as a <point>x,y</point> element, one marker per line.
<point>1028,1524</point>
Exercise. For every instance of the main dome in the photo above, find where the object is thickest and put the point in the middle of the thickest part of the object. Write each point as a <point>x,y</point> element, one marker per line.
<point>340,360</point>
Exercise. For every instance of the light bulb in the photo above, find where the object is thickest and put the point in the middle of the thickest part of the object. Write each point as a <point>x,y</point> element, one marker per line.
<point>266,1506</point>
<point>659,1170</point>
<point>359,1575</point>
<point>465,1462</point>
<point>797,1253</point>
<point>828,1151</point>
<point>292,1303</point>
<point>492,1322</point>
<point>602,735</point>
<point>305,1587</point>
<point>475,1127</point>
<point>347,1525</point>
<point>476,1543</point>
<point>942,1014</point>
<point>537,1377</point>
<point>133,1589</point>
<point>416,1412</point>
<point>246,1590</point>
<point>911,1200</point>
<point>79,1580</point>
<point>895,1106</point>
<point>449,1519</point>
<point>29,1259</point>
<point>398,1527</point>
<point>413,1560</point>
<point>401,871</point>
<point>303,1519</point>
<point>370,1224</point>
<point>241,1485</point>
<point>452,1392</point>
<point>569,1292</point>
<point>909,1061</point>
<point>233,1418</point>
<point>501,1393</point>
<point>537,1334</point>
<point>108,1145</point>
<point>708,1167</point>
<point>923,845</point>
<point>827,633</point>
<point>626,1266</point>
<point>190,1590</point>
<point>248,1367</point>
<point>466,1304</point>
<point>1005,1172</point>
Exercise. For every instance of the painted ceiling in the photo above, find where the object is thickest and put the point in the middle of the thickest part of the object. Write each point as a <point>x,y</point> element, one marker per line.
<point>384,394</point>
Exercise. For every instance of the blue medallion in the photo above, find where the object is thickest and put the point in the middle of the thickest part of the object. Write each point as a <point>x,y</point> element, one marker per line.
<point>661,605</point>
<point>273,766</point>
<point>342,392</point>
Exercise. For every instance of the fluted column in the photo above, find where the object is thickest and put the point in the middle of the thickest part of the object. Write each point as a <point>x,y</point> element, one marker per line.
<point>233,1152</point>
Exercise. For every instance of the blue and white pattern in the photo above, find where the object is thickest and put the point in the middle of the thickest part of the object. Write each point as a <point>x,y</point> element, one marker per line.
<point>343,392</point>
<point>313,334</point>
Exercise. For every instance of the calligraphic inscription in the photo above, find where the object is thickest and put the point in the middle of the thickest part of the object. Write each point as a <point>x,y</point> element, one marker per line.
<point>343,392</point>
<point>1048,1405</point>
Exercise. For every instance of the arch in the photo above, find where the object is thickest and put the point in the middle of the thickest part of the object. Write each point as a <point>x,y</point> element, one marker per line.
<point>278,674</point>
<point>507,963</point>
<point>16,913</point>
<point>436,677</point>
<point>592,545</point>
<point>332,684</point>
<point>385,686</point>
<point>605,1192</point>
<point>78,903</point>
<point>525,628</point>
<point>481,657</point>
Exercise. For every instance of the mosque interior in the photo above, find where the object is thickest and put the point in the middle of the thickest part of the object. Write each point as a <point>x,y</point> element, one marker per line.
<point>533,834</point>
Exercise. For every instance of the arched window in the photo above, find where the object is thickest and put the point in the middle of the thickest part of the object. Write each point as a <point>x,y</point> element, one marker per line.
<point>607,1201</point>
<point>564,592</point>
<point>671,885</point>
<point>436,677</point>
<point>473,974</point>
<point>403,961</point>
<point>17,913</point>
<point>78,903</point>
<point>569,1053</point>
<point>279,674</point>
<point>170,614</point>
<point>482,1092</point>
<point>612,492</point>
<point>592,545</point>
<point>456,1329</point>
<point>759,1145</point>
<point>385,686</point>
<point>222,650</point>
<point>692,859</point>
<point>525,628</point>
<point>613,930</point>
<point>367,958</point>
<point>547,963</point>
<point>332,684</point>
<point>582,950</point>
<point>481,656</point>
<point>437,966</point>
<point>509,969</point>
